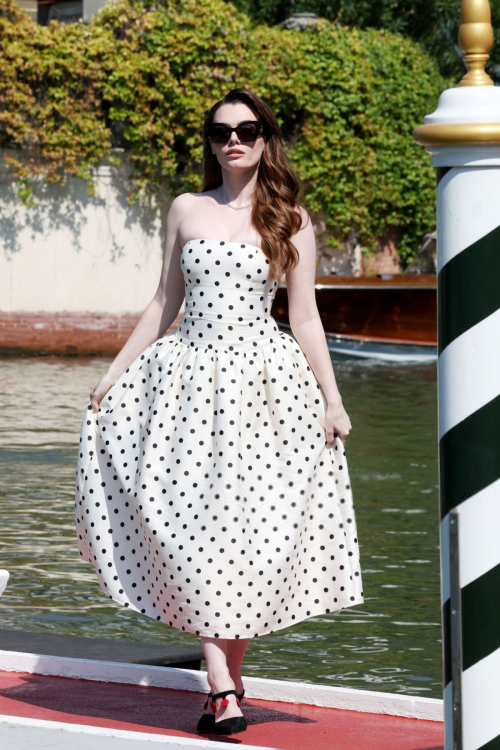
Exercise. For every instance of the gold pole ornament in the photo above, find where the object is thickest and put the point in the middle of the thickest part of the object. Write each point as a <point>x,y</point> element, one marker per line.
<point>475,39</point>
<point>464,113</point>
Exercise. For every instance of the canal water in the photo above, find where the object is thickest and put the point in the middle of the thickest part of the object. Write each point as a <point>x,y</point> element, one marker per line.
<point>390,643</point>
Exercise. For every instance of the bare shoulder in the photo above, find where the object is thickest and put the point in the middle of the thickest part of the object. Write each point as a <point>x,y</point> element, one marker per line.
<point>181,204</point>
<point>180,210</point>
<point>188,206</point>
<point>304,239</point>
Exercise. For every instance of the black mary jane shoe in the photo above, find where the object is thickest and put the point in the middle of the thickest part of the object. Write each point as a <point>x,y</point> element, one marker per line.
<point>235,723</point>
<point>207,721</point>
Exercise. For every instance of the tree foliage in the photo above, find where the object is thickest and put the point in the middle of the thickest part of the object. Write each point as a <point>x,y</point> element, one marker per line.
<point>432,23</point>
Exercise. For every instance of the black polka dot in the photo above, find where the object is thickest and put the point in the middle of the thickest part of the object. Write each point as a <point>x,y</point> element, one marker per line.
<point>206,495</point>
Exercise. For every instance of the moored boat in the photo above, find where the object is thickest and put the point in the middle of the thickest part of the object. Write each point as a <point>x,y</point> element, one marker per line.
<point>388,316</point>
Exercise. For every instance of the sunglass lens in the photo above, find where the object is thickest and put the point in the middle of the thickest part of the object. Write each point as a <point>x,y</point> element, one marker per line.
<point>219,133</point>
<point>247,132</point>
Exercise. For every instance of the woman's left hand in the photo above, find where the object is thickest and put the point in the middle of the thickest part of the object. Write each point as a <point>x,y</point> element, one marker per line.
<point>337,421</point>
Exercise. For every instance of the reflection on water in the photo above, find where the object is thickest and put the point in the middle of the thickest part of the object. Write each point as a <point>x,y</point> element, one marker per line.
<point>391,643</point>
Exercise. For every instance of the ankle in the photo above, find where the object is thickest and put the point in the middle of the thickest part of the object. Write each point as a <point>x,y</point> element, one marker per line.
<point>220,681</point>
<point>235,674</point>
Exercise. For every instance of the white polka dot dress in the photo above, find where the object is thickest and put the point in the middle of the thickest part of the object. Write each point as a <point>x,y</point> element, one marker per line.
<point>207,496</point>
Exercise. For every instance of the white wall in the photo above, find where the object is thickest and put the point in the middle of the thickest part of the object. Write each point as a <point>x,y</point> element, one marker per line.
<point>75,252</point>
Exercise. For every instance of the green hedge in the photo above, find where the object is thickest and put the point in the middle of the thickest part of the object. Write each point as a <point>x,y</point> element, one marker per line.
<point>141,77</point>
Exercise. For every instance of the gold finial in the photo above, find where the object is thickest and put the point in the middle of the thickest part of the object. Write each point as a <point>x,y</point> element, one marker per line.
<point>475,38</point>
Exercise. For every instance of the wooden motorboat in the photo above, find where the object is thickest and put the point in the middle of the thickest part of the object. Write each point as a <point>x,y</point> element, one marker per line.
<point>388,316</point>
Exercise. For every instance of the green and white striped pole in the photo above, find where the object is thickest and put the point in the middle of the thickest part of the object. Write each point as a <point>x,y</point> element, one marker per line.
<point>463,138</point>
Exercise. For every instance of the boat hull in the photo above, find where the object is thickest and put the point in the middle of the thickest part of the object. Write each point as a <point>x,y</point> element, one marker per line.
<point>386,318</point>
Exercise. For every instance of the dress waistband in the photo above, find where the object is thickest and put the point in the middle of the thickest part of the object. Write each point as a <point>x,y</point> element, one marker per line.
<point>216,331</point>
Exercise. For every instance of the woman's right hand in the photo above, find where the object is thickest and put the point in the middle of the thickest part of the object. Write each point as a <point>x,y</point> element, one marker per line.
<point>98,393</point>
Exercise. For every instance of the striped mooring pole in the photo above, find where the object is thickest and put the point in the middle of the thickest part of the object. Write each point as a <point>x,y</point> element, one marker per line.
<point>463,139</point>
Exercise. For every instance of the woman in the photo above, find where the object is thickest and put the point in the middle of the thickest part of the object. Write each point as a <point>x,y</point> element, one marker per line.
<point>212,488</point>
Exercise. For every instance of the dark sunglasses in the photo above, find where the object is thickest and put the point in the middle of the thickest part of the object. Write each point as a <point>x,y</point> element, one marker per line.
<point>247,131</point>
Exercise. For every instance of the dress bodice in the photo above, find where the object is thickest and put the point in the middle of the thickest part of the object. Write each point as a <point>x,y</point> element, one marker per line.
<point>228,296</point>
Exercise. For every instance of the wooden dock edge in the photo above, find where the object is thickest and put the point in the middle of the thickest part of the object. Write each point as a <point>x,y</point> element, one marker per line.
<point>281,691</point>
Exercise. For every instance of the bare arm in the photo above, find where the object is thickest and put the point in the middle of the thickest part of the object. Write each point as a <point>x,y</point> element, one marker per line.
<point>303,312</point>
<point>161,311</point>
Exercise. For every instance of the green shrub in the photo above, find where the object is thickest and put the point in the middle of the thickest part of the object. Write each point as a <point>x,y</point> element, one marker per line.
<point>141,77</point>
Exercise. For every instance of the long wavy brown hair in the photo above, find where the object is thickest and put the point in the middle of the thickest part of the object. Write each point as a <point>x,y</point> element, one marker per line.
<point>277,189</point>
